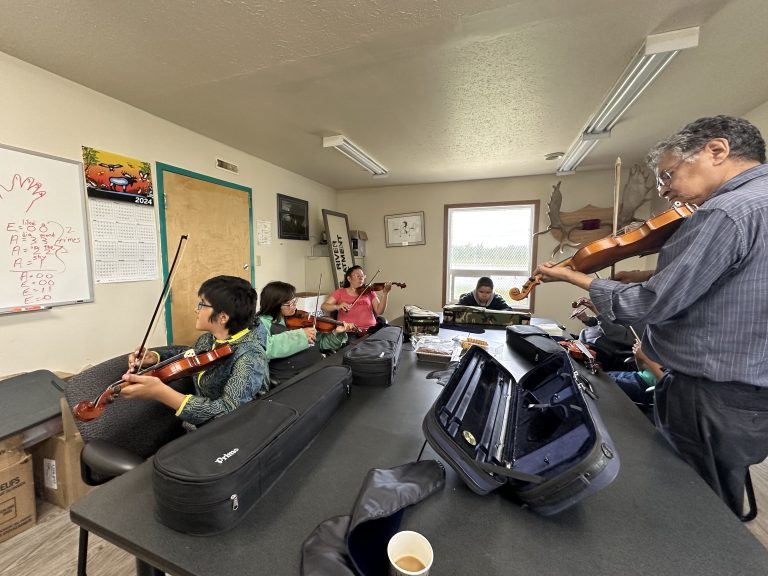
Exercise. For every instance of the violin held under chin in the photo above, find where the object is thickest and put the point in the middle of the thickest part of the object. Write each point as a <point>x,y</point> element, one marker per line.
<point>377,287</point>
<point>323,324</point>
<point>646,239</point>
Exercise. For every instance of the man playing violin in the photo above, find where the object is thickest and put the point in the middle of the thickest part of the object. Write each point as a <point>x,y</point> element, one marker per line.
<point>706,304</point>
<point>225,312</point>
<point>290,351</point>
<point>352,306</point>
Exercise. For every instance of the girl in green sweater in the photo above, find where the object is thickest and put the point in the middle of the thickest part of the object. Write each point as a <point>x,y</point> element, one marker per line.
<point>291,351</point>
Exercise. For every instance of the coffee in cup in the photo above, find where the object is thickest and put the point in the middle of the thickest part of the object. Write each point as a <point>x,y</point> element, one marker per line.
<point>410,554</point>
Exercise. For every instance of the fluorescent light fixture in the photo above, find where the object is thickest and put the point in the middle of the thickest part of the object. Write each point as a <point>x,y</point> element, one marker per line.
<point>356,154</point>
<point>577,152</point>
<point>657,51</point>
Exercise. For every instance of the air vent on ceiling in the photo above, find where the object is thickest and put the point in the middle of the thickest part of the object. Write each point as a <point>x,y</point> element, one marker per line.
<point>228,166</point>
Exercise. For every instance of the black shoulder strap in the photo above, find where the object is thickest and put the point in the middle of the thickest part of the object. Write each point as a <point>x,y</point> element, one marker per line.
<point>510,473</point>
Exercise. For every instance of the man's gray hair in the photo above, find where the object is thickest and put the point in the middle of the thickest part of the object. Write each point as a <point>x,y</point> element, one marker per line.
<point>744,139</point>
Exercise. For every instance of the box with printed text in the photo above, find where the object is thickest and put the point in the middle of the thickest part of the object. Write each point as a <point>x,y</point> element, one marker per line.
<point>17,492</point>
<point>57,464</point>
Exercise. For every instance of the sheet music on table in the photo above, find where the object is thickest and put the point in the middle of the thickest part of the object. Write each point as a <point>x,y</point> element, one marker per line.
<point>124,241</point>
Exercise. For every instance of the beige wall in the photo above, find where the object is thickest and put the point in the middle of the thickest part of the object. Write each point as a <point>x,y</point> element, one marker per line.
<point>421,267</point>
<point>45,113</point>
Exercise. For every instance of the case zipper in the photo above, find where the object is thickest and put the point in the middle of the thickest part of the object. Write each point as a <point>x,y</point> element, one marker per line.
<point>235,503</point>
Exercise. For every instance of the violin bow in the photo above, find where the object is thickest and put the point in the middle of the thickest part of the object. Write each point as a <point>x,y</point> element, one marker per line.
<point>616,201</point>
<point>317,300</point>
<point>163,295</point>
<point>367,287</point>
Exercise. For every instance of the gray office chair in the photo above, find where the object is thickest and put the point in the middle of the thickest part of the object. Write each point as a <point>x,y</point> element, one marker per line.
<point>127,433</point>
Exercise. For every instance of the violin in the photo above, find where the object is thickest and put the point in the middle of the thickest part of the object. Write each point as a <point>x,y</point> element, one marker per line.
<point>167,371</point>
<point>377,287</point>
<point>582,353</point>
<point>645,239</point>
<point>302,319</point>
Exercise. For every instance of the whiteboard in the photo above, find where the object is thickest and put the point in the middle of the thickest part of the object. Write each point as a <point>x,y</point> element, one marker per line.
<point>44,247</point>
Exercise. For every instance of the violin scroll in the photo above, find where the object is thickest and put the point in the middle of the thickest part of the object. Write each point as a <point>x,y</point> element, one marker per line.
<point>520,293</point>
<point>87,410</point>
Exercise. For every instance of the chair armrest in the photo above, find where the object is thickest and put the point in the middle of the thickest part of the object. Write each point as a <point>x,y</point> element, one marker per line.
<point>103,458</point>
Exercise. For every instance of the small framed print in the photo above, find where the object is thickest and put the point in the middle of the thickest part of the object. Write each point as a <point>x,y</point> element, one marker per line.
<point>292,218</point>
<point>404,229</point>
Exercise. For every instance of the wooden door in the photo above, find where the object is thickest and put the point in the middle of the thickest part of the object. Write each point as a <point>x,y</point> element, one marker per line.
<point>217,217</point>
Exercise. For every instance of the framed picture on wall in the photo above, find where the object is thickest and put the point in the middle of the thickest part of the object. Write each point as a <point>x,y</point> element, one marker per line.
<point>404,229</point>
<point>292,218</point>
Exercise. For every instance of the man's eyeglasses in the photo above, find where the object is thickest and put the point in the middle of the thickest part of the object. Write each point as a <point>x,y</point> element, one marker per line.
<point>290,303</point>
<point>201,305</point>
<point>664,178</point>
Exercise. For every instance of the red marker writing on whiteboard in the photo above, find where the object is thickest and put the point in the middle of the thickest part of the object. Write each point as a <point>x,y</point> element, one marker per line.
<point>27,309</point>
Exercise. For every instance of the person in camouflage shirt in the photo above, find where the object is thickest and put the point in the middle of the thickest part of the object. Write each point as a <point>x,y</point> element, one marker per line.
<point>226,311</point>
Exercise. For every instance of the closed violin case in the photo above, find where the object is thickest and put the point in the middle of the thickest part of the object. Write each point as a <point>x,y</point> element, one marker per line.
<point>373,360</point>
<point>420,321</point>
<point>541,438</point>
<point>206,481</point>
<point>461,314</point>
<point>532,343</point>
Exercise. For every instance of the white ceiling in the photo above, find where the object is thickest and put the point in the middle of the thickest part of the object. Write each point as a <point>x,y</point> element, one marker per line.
<point>435,90</point>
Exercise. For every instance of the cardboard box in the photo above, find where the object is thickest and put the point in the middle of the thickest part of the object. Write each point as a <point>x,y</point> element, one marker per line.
<point>17,491</point>
<point>57,464</point>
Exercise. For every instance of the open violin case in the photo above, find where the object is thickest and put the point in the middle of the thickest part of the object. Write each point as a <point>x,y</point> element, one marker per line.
<point>542,437</point>
<point>209,479</point>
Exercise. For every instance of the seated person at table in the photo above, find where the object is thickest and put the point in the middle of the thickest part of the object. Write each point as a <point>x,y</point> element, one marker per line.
<point>483,296</point>
<point>638,385</point>
<point>290,351</point>
<point>612,341</point>
<point>361,311</point>
<point>225,312</point>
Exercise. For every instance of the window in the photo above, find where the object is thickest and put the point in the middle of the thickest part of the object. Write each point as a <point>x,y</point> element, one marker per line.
<point>494,240</point>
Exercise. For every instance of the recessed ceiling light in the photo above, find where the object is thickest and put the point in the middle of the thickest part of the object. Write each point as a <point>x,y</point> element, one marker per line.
<point>554,155</point>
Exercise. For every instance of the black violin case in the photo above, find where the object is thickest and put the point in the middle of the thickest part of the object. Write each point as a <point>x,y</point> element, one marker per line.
<point>207,480</point>
<point>374,359</point>
<point>531,342</point>
<point>542,437</point>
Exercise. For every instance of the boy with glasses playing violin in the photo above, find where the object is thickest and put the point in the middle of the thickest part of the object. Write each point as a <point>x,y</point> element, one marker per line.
<point>289,351</point>
<point>705,306</point>
<point>225,312</point>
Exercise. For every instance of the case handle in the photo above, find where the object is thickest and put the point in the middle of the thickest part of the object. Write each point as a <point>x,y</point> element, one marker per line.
<point>510,473</point>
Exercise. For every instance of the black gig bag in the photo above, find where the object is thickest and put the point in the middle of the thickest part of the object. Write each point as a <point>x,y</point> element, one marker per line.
<point>542,437</point>
<point>207,480</point>
<point>532,343</point>
<point>374,359</point>
<point>419,321</point>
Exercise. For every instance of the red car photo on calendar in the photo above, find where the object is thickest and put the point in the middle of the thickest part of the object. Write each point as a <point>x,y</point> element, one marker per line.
<point>116,177</point>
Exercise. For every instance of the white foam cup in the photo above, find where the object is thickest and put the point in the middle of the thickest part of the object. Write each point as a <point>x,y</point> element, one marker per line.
<point>410,554</point>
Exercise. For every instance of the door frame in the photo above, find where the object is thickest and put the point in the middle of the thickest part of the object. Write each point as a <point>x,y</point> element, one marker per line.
<point>162,168</point>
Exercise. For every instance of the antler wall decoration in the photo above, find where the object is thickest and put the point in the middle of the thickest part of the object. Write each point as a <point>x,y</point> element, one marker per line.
<point>567,227</point>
